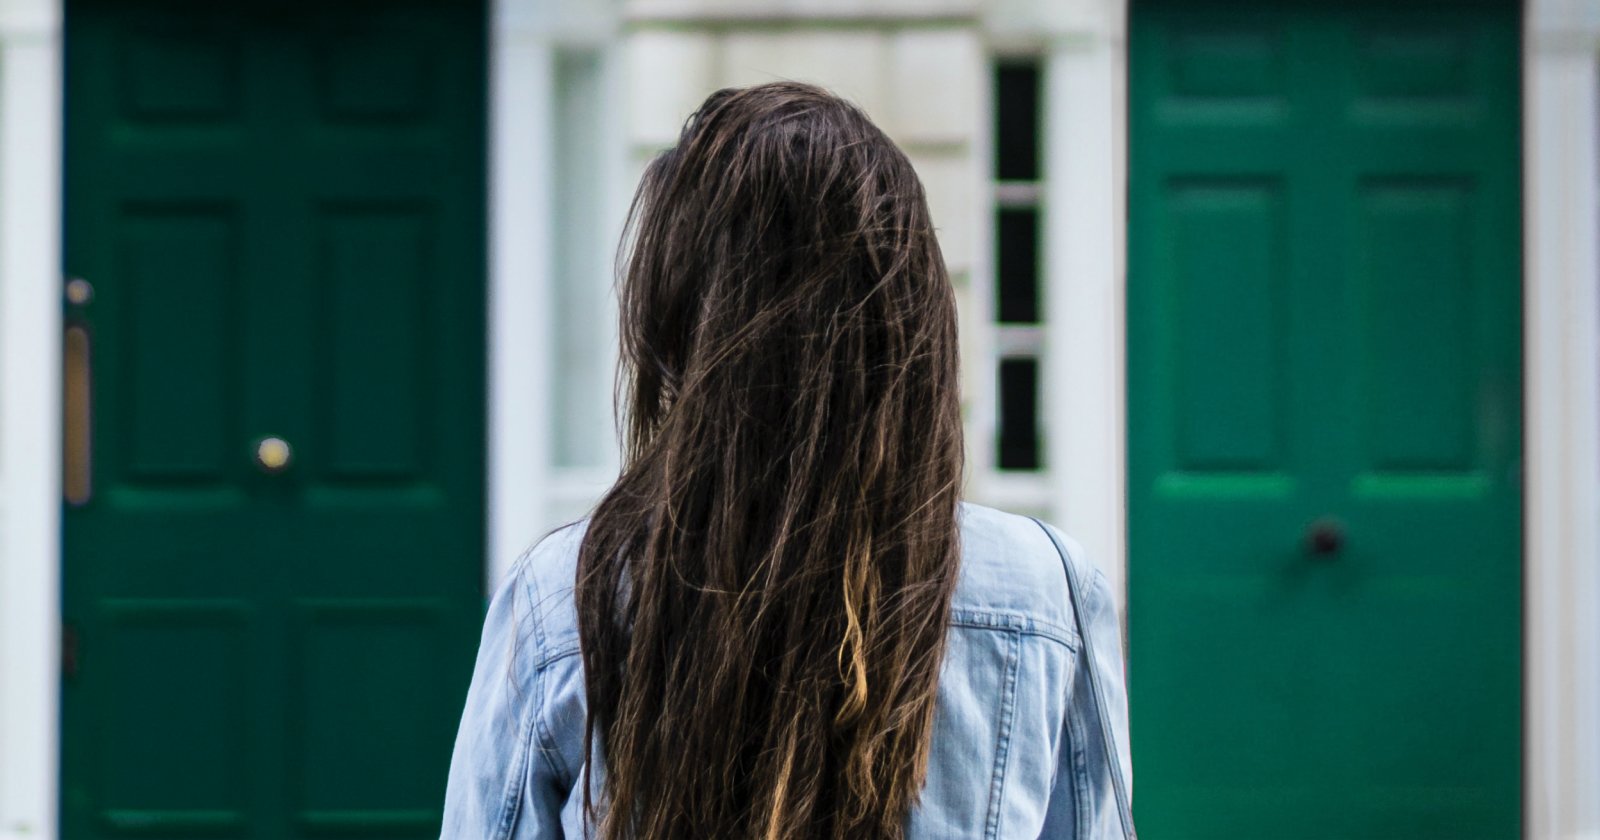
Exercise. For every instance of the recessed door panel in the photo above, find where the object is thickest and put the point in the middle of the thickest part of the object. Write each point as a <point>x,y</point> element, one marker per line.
<point>1226,253</point>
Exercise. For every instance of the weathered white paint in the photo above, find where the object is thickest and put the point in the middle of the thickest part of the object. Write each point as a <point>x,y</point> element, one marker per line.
<point>1561,84</point>
<point>30,394</point>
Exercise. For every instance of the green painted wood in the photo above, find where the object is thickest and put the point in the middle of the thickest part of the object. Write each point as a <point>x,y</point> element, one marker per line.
<point>280,207</point>
<point>1324,321</point>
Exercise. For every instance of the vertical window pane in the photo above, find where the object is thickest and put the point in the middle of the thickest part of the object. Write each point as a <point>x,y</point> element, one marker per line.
<point>581,275</point>
<point>1016,98</point>
<point>1019,414</point>
<point>1017,264</point>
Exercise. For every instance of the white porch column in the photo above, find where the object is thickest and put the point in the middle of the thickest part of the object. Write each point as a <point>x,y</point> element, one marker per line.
<point>1561,80</point>
<point>1085,239</point>
<point>30,397</point>
<point>520,92</point>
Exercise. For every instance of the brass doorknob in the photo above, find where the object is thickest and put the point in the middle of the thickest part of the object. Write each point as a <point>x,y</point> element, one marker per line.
<point>1324,537</point>
<point>273,454</point>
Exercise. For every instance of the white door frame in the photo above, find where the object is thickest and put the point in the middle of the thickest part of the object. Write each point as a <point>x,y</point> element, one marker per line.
<point>521,65</point>
<point>1561,322</point>
<point>30,397</point>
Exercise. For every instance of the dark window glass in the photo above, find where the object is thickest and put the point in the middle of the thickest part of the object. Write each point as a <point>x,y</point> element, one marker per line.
<point>1019,416</point>
<point>1016,130</point>
<point>1017,264</point>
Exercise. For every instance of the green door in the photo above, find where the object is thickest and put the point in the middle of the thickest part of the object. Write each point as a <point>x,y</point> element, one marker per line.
<point>1324,419</point>
<point>279,208</point>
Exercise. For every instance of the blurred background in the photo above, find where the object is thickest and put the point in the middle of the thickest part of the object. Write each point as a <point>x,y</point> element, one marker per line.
<point>1287,310</point>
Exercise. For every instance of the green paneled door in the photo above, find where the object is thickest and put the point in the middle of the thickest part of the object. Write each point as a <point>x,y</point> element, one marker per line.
<point>279,207</point>
<point>1324,419</point>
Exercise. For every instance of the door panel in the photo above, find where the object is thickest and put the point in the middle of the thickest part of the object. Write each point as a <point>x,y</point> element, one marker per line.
<point>280,211</point>
<point>1324,326</point>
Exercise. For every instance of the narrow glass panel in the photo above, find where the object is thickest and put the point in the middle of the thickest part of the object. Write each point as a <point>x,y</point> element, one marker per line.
<point>1016,130</point>
<point>1019,414</point>
<point>1017,265</point>
<point>582,279</point>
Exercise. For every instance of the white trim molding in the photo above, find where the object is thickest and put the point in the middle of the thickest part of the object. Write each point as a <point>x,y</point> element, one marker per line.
<point>30,397</point>
<point>520,98</point>
<point>1561,184</point>
<point>1085,142</point>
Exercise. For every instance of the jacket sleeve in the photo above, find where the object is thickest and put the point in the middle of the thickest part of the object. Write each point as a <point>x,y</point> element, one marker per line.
<point>1083,803</point>
<point>499,787</point>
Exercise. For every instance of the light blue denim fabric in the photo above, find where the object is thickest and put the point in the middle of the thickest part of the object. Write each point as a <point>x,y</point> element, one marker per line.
<point>1016,745</point>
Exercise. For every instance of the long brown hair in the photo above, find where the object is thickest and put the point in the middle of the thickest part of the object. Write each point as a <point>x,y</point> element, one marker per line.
<point>763,595</point>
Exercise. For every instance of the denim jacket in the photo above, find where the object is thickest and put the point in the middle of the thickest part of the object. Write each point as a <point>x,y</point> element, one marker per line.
<point>1016,746</point>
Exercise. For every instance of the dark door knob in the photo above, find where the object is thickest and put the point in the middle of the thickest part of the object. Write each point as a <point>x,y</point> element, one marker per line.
<point>1324,537</point>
